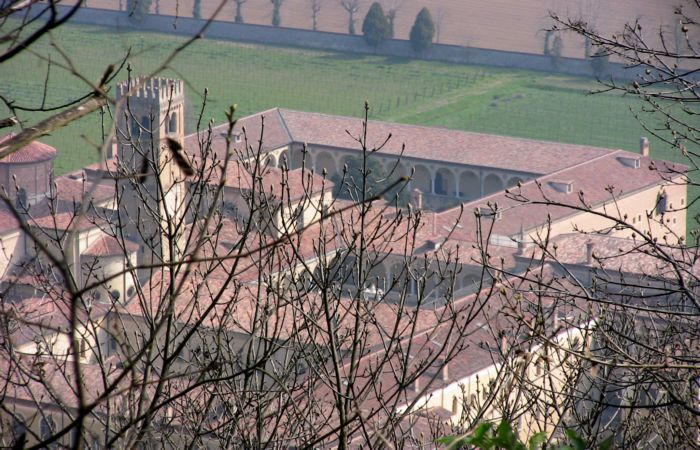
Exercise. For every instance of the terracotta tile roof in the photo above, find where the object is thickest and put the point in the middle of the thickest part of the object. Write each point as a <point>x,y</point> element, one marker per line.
<point>108,245</point>
<point>283,184</point>
<point>74,187</point>
<point>34,152</point>
<point>275,135</point>
<point>430,143</point>
<point>63,220</point>
<point>8,222</point>
<point>594,178</point>
<point>47,383</point>
<point>46,315</point>
<point>101,169</point>
<point>633,256</point>
<point>283,127</point>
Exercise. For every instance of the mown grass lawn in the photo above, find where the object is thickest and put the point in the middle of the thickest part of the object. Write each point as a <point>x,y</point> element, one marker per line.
<point>475,98</point>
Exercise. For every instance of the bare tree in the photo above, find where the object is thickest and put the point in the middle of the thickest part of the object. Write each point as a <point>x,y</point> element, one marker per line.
<point>392,8</point>
<point>276,12</point>
<point>440,15</point>
<point>210,290</point>
<point>315,6</point>
<point>221,296</point>
<point>239,10</point>
<point>351,7</point>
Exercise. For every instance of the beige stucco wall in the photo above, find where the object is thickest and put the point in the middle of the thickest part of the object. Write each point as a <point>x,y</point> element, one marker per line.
<point>32,414</point>
<point>473,393</point>
<point>101,268</point>
<point>637,204</point>
<point>12,249</point>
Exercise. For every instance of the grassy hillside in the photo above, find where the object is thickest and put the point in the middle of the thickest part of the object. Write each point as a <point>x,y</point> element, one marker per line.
<point>518,103</point>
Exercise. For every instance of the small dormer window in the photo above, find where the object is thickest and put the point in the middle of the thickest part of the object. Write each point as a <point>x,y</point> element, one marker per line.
<point>630,161</point>
<point>487,212</point>
<point>237,137</point>
<point>563,186</point>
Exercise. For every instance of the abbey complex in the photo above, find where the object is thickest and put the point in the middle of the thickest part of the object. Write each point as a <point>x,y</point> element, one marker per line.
<point>458,287</point>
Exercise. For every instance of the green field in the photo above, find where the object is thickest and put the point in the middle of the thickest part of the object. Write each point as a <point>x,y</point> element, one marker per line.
<point>476,98</point>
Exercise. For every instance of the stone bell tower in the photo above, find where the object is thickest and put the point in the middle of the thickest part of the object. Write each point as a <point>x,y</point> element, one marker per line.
<point>152,184</point>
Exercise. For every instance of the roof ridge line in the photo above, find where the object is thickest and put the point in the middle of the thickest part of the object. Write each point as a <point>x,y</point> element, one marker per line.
<point>455,130</point>
<point>286,127</point>
<point>534,180</point>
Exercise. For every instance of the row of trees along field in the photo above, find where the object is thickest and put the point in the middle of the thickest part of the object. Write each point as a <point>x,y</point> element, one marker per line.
<point>376,27</point>
<point>222,345</point>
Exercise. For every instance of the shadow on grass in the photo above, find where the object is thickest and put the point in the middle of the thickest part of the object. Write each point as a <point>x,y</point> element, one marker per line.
<point>345,56</point>
<point>397,60</point>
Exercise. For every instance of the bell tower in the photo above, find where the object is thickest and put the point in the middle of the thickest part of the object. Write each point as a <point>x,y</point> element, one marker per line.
<point>152,186</point>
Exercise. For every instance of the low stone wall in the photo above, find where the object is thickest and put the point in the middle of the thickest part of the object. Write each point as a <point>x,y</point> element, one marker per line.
<point>341,42</point>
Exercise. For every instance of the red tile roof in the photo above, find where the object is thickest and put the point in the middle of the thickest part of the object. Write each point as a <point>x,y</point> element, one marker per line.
<point>63,220</point>
<point>47,315</point>
<point>275,135</point>
<point>75,187</point>
<point>445,145</point>
<point>8,221</point>
<point>110,246</point>
<point>34,152</point>
<point>283,127</point>
<point>282,184</point>
<point>634,256</point>
<point>594,178</point>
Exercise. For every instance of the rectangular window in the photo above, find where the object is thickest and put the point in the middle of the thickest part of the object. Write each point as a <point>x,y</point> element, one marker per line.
<point>661,203</point>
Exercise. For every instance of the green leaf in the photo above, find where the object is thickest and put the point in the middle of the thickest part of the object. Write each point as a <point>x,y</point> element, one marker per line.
<point>607,443</point>
<point>445,440</point>
<point>579,444</point>
<point>482,429</point>
<point>505,437</point>
<point>537,440</point>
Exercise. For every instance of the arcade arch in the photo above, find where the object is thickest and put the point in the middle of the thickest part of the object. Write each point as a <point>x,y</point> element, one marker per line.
<point>325,160</point>
<point>513,181</point>
<point>469,185</point>
<point>422,179</point>
<point>445,182</point>
<point>492,183</point>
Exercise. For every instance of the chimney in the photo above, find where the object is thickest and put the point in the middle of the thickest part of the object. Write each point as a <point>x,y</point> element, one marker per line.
<point>417,199</point>
<point>112,151</point>
<point>504,344</point>
<point>589,252</point>
<point>644,146</point>
<point>445,371</point>
<point>416,385</point>
<point>522,242</point>
<point>555,318</point>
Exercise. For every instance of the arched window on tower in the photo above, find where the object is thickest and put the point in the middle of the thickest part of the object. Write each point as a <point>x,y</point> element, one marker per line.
<point>172,124</point>
<point>135,128</point>
<point>22,200</point>
<point>19,427</point>
<point>47,427</point>
<point>146,123</point>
